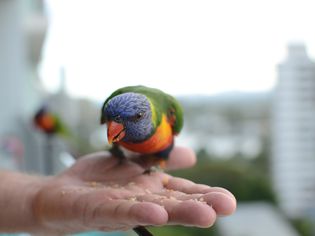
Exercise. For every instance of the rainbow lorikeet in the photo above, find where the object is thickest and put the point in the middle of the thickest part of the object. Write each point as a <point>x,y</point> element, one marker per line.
<point>143,120</point>
<point>49,122</point>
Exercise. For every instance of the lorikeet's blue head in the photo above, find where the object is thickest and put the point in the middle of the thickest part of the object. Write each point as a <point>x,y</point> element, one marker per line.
<point>128,117</point>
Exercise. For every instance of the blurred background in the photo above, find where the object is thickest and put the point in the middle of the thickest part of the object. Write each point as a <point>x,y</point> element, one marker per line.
<point>244,72</point>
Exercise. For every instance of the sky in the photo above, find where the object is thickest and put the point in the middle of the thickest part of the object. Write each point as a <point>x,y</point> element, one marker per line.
<point>182,47</point>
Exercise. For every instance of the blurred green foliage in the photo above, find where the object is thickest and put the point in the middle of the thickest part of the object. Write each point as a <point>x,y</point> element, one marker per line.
<point>246,179</point>
<point>304,226</point>
<point>184,231</point>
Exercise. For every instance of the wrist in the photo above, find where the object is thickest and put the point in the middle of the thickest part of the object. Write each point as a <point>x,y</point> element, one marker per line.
<point>19,192</point>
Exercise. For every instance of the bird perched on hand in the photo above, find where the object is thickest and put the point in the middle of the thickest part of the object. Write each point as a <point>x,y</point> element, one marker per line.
<point>143,120</point>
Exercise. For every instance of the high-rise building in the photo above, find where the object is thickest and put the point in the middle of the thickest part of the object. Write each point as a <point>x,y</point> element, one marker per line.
<point>22,32</point>
<point>293,152</point>
<point>23,26</point>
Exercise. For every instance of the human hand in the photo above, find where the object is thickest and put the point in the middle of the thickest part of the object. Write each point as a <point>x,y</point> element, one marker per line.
<point>98,193</point>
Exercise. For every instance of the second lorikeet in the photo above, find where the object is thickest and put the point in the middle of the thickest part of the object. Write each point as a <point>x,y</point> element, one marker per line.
<point>144,120</point>
<point>49,122</point>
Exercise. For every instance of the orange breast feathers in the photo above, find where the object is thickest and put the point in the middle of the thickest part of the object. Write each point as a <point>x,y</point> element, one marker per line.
<point>160,140</point>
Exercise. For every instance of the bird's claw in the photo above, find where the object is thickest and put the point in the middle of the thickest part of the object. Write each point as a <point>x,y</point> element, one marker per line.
<point>153,169</point>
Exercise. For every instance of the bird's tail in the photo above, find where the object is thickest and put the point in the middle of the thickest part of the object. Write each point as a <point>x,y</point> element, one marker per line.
<point>142,231</point>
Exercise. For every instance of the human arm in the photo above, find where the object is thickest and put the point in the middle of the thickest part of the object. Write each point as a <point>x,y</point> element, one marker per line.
<point>17,192</point>
<point>97,193</point>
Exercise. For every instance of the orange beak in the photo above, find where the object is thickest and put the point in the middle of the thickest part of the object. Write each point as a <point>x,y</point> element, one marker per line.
<point>115,132</point>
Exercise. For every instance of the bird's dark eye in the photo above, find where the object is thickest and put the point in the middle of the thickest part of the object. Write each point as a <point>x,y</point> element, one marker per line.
<point>117,119</point>
<point>138,116</point>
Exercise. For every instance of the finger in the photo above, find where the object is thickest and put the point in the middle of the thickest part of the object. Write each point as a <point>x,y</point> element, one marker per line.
<point>187,186</point>
<point>180,195</point>
<point>163,195</point>
<point>220,199</point>
<point>181,158</point>
<point>131,212</point>
<point>222,203</point>
<point>188,212</point>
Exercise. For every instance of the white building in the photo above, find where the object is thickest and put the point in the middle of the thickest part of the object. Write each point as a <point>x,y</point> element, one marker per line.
<point>22,32</point>
<point>293,157</point>
<point>23,26</point>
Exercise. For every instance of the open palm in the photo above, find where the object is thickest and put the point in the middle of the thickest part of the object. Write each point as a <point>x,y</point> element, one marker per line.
<point>99,193</point>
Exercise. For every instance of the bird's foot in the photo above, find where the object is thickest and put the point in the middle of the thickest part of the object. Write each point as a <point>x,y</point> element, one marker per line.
<point>117,152</point>
<point>160,167</point>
